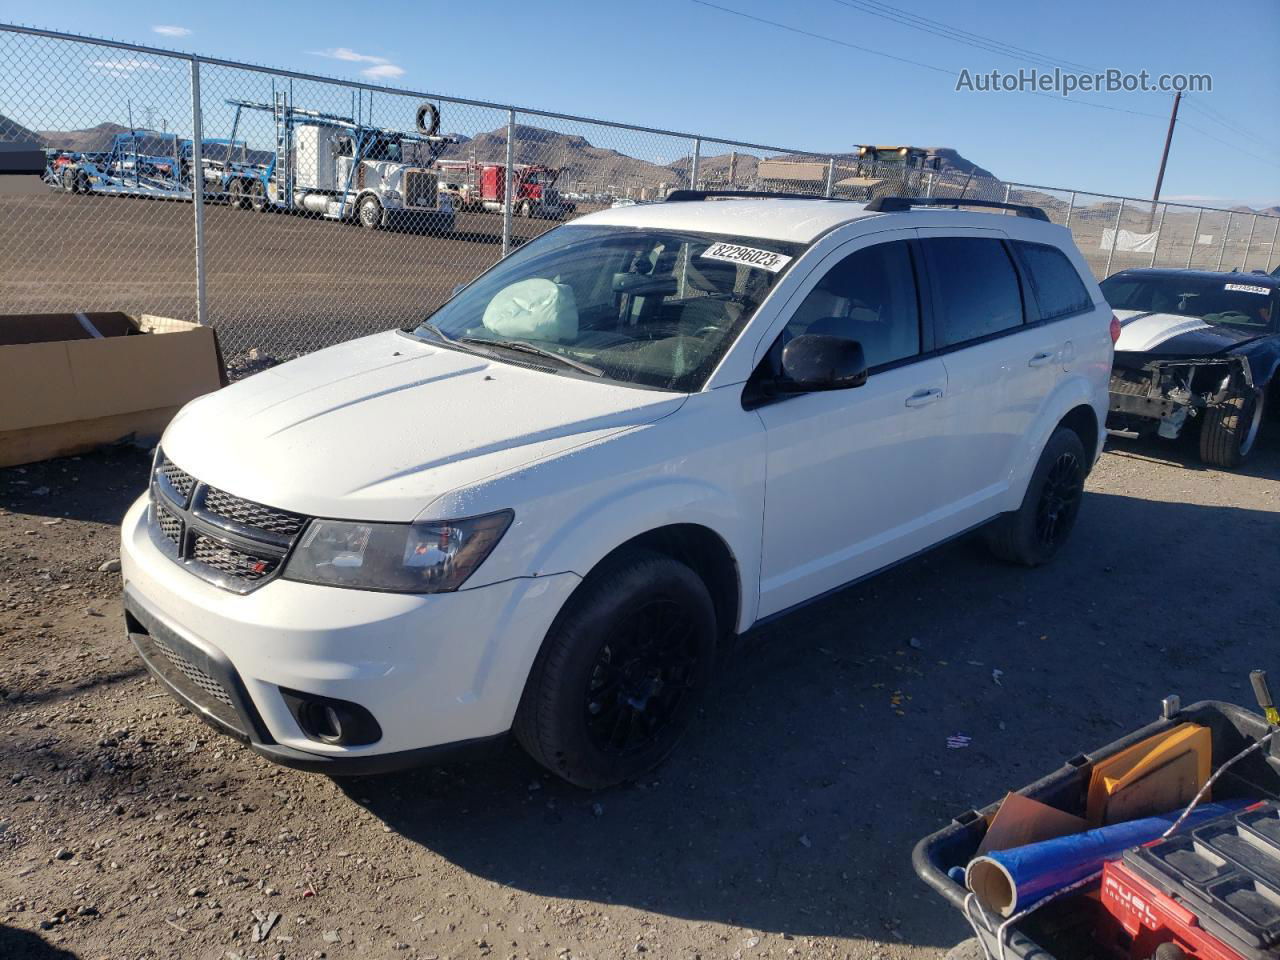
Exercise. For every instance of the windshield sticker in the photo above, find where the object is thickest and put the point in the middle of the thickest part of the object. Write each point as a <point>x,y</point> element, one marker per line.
<point>1248,288</point>
<point>733,253</point>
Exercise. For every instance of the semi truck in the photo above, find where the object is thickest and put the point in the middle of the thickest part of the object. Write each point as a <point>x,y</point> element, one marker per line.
<point>340,168</point>
<point>482,186</point>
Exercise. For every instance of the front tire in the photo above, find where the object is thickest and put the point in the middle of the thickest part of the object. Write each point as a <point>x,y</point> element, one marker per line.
<point>1230,429</point>
<point>1033,534</point>
<point>370,213</point>
<point>621,671</point>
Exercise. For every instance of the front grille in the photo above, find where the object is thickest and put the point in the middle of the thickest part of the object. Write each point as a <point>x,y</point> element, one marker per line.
<point>178,479</point>
<point>169,525</point>
<point>232,542</point>
<point>232,561</point>
<point>421,188</point>
<point>250,514</point>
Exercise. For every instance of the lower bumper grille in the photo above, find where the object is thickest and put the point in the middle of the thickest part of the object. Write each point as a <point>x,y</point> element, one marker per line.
<point>192,683</point>
<point>199,677</point>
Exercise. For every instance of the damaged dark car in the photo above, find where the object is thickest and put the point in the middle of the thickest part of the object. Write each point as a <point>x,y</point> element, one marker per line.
<point>1197,350</point>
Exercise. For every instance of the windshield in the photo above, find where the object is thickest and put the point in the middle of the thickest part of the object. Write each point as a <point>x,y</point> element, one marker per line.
<point>382,148</point>
<point>1226,300</point>
<point>654,308</point>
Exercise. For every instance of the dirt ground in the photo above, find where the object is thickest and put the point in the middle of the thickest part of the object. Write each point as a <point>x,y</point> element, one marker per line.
<point>782,827</point>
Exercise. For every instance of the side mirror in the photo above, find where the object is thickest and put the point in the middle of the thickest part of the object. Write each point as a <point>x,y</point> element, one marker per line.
<point>817,361</point>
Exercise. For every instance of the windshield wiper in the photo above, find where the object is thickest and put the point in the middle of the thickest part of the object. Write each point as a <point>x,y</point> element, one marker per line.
<point>435,331</point>
<point>523,347</point>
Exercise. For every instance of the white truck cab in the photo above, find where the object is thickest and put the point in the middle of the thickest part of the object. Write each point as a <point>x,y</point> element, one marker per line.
<point>550,507</point>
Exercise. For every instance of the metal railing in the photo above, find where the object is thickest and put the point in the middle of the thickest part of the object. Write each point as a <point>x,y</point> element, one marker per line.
<point>251,220</point>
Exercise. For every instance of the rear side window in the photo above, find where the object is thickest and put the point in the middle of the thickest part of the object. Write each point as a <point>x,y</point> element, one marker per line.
<point>1058,288</point>
<point>976,292</point>
<point>869,296</point>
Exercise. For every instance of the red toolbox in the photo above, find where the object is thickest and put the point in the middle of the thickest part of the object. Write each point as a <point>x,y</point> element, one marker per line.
<point>1213,892</point>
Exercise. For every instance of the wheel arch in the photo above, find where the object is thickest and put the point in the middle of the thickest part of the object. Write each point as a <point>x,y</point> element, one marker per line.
<point>706,553</point>
<point>1083,419</point>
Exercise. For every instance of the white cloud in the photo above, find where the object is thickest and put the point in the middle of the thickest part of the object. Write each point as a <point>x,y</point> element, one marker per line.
<point>125,66</point>
<point>383,71</point>
<point>168,30</point>
<point>380,68</point>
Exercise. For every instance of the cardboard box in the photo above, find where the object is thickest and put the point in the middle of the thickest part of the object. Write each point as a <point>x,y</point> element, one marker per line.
<point>70,382</point>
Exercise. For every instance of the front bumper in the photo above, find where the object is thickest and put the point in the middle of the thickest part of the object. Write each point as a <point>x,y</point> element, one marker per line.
<point>440,673</point>
<point>1166,390</point>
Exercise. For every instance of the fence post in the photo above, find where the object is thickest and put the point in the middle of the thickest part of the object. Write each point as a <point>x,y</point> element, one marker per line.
<point>831,175</point>
<point>1222,248</point>
<point>1115,238</point>
<point>1007,188</point>
<point>733,167</point>
<point>693,166</point>
<point>1159,226</point>
<point>928,183</point>
<point>1195,236</point>
<point>1071,206</point>
<point>197,187</point>
<point>1248,245</point>
<point>506,183</point>
<point>1275,235</point>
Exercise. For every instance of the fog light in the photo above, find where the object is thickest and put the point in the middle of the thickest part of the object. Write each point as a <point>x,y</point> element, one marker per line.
<point>332,721</point>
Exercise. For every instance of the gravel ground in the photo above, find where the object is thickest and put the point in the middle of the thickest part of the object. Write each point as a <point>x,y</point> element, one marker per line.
<point>782,827</point>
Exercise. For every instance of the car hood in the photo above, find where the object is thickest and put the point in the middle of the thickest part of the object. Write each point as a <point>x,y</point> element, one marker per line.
<point>377,428</point>
<point>1173,335</point>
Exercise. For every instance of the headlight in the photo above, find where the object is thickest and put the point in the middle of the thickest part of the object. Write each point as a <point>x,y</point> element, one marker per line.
<point>433,557</point>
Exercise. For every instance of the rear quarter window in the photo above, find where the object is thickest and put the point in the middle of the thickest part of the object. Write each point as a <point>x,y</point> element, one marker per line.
<point>1058,287</point>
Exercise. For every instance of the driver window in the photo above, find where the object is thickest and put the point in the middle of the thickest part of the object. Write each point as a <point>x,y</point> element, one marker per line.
<point>869,296</point>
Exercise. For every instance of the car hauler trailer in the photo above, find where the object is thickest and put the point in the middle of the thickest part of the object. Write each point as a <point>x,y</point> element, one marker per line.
<point>139,163</point>
<point>533,193</point>
<point>340,168</point>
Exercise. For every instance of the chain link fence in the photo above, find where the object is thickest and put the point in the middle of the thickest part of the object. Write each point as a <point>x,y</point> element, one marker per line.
<point>292,211</point>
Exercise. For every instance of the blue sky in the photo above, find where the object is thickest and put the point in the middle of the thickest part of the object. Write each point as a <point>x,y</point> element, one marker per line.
<point>686,65</point>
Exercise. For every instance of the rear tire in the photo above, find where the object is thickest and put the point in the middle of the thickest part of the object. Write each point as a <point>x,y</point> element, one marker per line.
<point>68,179</point>
<point>1033,534</point>
<point>257,196</point>
<point>235,195</point>
<point>1230,429</point>
<point>621,671</point>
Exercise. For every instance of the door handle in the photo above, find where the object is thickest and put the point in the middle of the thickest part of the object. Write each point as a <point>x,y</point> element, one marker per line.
<point>1042,359</point>
<point>923,397</point>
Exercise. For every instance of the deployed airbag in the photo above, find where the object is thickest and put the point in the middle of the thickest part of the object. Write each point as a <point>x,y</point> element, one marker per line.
<point>534,309</point>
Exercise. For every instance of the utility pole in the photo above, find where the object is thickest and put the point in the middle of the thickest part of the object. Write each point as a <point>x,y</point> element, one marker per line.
<point>1164,158</point>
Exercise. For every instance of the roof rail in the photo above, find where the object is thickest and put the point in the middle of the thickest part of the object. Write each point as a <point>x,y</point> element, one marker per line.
<point>678,196</point>
<point>901,204</point>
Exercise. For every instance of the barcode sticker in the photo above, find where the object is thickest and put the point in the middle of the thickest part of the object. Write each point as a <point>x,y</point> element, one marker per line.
<point>734,253</point>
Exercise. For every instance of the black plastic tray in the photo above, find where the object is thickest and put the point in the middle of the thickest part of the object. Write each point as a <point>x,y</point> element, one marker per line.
<point>1050,934</point>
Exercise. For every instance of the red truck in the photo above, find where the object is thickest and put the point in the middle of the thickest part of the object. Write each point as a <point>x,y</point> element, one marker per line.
<point>482,186</point>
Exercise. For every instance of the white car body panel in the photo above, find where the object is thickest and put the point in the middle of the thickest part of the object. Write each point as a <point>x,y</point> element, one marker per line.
<point>1140,332</point>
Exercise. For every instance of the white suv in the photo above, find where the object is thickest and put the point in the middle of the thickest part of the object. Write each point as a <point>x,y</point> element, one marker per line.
<point>550,507</point>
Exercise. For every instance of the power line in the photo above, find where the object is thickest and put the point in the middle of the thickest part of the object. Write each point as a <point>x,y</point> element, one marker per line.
<point>819,36</point>
<point>1234,146</point>
<point>952,73</point>
<point>1223,121</point>
<point>957,35</point>
<point>907,60</point>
